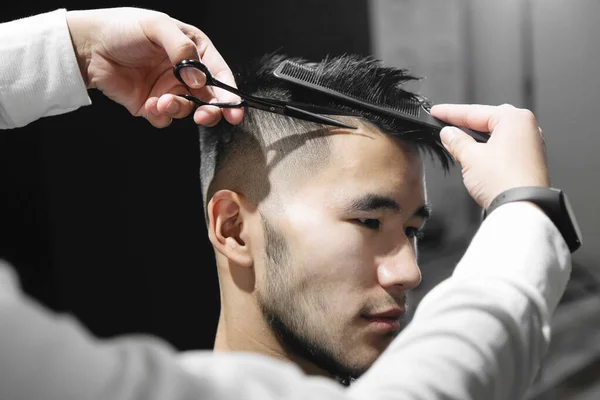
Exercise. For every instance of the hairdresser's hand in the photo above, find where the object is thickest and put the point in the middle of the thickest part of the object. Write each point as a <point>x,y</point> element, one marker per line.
<point>129,53</point>
<point>514,155</point>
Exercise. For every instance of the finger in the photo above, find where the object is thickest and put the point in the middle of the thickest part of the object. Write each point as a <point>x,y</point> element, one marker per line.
<point>213,60</point>
<point>193,77</point>
<point>219,69</point>
<point>514,121</point>
<point>473,116</point>
<point>151,113</point>
<point>174,106</point>
<point>177,44</point>
<point>233,115</point>
<point>207,116</point>
<point>456,142</point>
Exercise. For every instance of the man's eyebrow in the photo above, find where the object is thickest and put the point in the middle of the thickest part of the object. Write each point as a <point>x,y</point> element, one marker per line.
<point>375,202</point>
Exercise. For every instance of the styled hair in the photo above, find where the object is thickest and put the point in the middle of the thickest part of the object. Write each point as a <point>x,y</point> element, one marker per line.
<point>235,156</point>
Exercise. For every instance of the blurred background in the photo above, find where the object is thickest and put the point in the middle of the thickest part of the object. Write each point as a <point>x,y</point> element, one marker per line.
<point>101,214</point>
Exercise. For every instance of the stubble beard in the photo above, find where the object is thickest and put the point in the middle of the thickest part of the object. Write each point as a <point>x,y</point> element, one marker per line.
<point>287,321</point>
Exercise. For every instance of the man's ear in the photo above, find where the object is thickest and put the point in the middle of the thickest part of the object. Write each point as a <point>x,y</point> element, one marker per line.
<point>226,227</point>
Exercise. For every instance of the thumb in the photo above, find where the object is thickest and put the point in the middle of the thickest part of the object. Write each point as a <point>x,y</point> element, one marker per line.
<point>169,36</point>
<point>456,142</point>
<point>179,46</point>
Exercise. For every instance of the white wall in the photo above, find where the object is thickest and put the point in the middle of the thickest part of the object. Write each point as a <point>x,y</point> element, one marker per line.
<point>496,46</point>
<point>567,93</point>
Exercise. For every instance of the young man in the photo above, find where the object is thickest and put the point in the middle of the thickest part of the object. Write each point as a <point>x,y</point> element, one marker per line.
<point>315,228</point>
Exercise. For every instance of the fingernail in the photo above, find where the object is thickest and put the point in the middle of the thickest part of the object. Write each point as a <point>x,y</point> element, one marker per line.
<point>194,77</point>
<point>203,114</point>
<point>212,121</point>
<point>172,107</point>
<point>447,134</point>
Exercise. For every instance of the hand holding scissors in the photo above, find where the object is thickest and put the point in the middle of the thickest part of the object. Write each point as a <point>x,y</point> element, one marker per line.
<point>128,54</point>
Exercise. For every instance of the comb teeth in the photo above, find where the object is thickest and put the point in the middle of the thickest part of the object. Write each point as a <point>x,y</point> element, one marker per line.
<point>409,107</point>
<point>308,77</point>
<point>301,72</point>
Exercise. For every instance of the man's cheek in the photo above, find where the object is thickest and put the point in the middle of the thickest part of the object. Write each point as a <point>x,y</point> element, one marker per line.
<point>304,218</point>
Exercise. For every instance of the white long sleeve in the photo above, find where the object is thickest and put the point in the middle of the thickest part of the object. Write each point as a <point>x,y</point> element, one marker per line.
<point>39,74</point>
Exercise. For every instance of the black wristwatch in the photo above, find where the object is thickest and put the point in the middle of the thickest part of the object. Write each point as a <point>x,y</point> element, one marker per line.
<point>552,201</point>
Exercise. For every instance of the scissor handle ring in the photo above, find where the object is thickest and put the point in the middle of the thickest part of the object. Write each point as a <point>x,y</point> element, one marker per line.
<point>193,64</point>
<point>210,81</point>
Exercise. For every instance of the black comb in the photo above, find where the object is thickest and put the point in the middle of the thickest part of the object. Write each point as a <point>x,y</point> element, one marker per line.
<point>411,110</point>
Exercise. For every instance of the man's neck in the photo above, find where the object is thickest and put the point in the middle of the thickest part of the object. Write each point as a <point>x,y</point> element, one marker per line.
<point>257,338</point>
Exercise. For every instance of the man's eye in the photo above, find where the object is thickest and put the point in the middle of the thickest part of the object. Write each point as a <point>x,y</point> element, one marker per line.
<point>369,223</point>
<point>414,233</point>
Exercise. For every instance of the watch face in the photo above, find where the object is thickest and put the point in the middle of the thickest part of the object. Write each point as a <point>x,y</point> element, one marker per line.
<point>572,217</point>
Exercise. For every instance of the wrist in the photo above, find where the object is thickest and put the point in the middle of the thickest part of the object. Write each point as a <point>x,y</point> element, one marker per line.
<point>553,202</point>
<point>79,29</point>
<point>539,182</point>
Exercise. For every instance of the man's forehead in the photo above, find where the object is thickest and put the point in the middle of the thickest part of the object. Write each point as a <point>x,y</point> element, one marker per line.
<point>370,150</point>
<point>361,161</point>
<point>368,161</point>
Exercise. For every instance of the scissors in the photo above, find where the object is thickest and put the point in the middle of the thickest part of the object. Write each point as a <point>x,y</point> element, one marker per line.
<point>287,108</point>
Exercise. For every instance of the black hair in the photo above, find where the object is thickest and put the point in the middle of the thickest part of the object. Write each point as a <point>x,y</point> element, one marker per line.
<point>364,77</point>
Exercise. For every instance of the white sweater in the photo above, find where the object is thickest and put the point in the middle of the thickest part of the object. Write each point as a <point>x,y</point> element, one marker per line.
<point>480,334</point>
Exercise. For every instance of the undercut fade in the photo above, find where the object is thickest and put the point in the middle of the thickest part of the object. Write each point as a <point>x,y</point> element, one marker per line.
<point>241,157</point>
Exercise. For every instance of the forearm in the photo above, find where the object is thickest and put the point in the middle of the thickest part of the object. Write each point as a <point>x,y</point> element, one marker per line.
<point>482,333</point>
<point>39,72</point>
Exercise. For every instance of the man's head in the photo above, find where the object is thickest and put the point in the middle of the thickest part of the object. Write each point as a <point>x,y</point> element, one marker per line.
<point>315,227</point>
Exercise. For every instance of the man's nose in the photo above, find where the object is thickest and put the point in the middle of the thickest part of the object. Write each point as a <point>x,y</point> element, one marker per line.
<point>399,269</point>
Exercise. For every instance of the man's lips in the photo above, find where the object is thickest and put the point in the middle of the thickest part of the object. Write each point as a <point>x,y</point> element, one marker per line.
<point>386,321</point>
<point>395,313</point>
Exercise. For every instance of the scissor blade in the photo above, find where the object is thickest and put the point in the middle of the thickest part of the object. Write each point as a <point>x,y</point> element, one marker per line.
<point>295,112</point>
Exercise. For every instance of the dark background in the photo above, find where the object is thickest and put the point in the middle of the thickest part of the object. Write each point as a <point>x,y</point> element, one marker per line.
<point>101,213</point>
